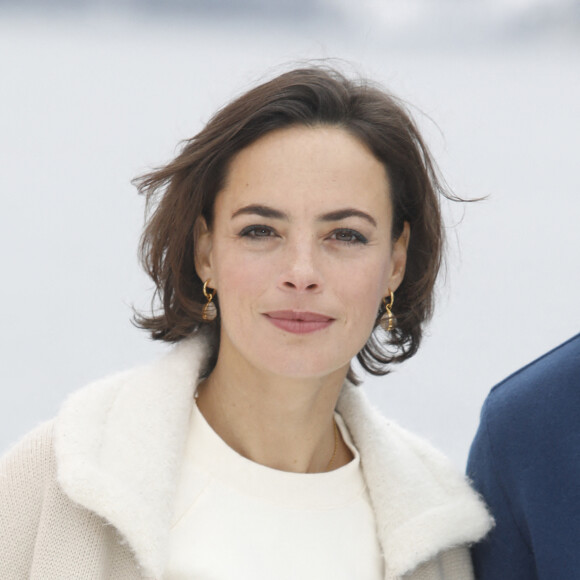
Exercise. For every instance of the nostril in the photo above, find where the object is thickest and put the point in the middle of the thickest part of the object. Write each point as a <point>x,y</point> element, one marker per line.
<point>294,286</point>
<point>300,277</point>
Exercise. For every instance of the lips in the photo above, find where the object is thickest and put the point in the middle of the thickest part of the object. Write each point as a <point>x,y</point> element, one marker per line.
<point>299,322</point>
<point>295,315</point>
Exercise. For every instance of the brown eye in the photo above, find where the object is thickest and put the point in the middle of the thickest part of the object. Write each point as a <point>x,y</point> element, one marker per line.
<point>257,231</point>
<point>349,236</point>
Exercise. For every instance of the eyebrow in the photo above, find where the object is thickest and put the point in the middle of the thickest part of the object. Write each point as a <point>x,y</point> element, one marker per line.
<point>333,216</point>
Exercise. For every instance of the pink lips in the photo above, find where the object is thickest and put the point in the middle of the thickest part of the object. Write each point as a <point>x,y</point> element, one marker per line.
<point>299,322</point>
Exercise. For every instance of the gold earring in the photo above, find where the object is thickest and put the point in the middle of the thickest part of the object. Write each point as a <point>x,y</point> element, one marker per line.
<point>388,320</point>
<point>209,311</point>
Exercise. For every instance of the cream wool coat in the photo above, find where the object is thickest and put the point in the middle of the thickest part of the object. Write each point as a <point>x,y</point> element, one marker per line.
<point>90,494</point>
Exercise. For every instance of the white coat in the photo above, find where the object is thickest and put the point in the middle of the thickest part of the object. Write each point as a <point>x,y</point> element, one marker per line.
<point>91,493</point>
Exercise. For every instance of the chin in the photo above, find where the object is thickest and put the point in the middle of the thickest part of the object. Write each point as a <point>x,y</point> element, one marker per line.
<point>302,370</point>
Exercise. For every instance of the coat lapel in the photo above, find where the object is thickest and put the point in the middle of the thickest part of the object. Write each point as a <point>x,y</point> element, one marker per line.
<point>118,445</point>
<point>422,504</point>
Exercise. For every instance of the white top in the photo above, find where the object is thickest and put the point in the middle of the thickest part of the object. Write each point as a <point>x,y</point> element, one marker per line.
<point>238,519</point>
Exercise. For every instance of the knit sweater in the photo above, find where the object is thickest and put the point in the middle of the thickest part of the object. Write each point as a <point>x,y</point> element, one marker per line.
<point>90,495</point>
<point>266,517</point>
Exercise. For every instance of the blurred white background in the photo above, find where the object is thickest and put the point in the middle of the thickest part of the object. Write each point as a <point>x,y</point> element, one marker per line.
<point>94,93</point>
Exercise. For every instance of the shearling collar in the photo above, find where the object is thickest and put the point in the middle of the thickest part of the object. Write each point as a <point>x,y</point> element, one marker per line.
<point>422,504</point>
<point>119,443</point>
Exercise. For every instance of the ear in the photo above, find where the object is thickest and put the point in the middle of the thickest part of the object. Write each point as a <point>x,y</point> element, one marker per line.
<point>202,245</point>
<point>399,258</point>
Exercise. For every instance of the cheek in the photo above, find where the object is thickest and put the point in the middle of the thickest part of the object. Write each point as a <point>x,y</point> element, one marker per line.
<point>239,279</point>
<point>362,294</point>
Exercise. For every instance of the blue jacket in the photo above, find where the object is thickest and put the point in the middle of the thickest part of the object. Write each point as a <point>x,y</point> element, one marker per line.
<point>525,461</point>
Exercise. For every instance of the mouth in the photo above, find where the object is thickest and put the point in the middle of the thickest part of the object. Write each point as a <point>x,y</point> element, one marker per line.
<point>299,322</point>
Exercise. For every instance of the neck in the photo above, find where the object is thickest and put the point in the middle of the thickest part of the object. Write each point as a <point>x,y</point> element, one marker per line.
<point>283,423</point>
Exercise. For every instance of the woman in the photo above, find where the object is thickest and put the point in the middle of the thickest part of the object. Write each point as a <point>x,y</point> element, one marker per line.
<point>299,229</point>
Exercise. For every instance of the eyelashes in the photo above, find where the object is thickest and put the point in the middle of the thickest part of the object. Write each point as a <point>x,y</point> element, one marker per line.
<point>257,232</point>
<point>348,236</point>
<point>345,236</point>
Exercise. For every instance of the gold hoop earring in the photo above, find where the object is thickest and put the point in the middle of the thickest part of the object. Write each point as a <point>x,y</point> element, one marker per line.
<point>388,320</point>
<point>209,311</point>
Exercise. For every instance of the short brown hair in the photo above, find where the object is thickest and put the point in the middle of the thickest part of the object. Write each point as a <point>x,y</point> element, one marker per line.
<point>186,188</point>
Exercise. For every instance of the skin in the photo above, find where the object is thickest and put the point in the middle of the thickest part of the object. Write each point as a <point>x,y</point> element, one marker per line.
<point>302,224</point>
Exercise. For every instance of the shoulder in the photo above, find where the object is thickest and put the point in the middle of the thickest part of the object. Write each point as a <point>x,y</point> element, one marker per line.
<point>376,435</point>
<point>128,399</point>
<point>31,458</point>
<point>544,392</point>
<point>529,433</point>
<point>25,472</point>
<point>524,461</point>
<point>557,370</point>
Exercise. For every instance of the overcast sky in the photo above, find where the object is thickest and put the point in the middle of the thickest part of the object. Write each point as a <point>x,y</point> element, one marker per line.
<point>88,102</point>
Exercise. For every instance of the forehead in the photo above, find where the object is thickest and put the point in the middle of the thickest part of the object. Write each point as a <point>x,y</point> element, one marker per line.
<point>307,168</point>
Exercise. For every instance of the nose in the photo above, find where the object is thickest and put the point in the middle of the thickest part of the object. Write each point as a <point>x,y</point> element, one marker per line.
<point>301,270</point>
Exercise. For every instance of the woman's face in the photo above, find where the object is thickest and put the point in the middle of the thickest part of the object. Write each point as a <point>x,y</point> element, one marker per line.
<point>300,252</point>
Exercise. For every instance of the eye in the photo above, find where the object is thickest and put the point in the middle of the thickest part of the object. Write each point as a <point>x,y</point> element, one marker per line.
<point>257,231</point>
<point>348,236</point>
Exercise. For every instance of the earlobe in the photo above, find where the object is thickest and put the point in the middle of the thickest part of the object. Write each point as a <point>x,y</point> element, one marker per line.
<point>202,244</point>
